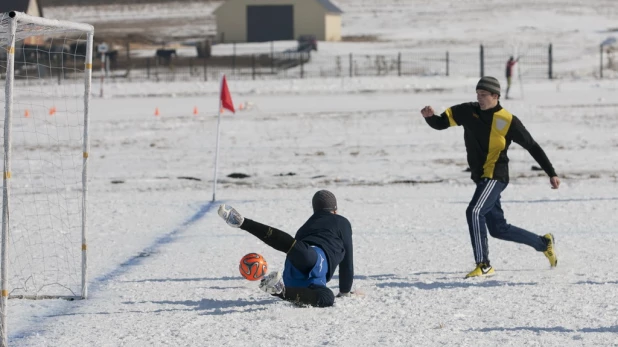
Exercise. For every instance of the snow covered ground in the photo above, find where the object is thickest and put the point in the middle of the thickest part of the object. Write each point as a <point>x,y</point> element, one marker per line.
<point>163,266</point>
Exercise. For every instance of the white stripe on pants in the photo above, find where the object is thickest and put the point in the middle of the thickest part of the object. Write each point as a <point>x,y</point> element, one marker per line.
<point>476,225</point>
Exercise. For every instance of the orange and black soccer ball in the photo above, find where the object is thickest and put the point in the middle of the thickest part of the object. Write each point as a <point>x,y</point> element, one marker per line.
<point>253,266</point>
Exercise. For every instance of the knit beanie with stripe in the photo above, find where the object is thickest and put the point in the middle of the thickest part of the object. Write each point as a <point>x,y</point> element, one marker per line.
<point>489,84</point>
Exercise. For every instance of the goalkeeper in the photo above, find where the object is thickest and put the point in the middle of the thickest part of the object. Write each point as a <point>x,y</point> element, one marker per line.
<point>321,244</point>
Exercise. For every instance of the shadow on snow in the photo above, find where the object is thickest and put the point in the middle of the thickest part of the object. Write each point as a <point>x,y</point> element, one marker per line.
<point>612,329</point>
<point>546,200</point>
<point>596,283</point>
<point>212,306</point>
<point>453,285</point>
<point>195,279</point>
<point>153,249</point>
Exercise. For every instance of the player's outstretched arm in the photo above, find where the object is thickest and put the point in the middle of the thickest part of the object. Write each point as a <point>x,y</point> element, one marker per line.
<point>541,158</point>
<point>522,137</point>
<point>437,122</point>
<point>346,267</point>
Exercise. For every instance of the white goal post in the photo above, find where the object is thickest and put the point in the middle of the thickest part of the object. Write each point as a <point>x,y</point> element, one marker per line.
<point>48,72</point>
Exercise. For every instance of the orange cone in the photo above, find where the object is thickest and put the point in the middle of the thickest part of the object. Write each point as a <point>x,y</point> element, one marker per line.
<point>52,110</point>
<point>221,110</point>
<point>241,106</point>
<point>195,110</point>
<point>26,113</point>
<point>157,111</point>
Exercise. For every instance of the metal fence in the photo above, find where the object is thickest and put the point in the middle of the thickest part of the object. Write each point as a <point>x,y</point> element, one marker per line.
<point>542,61</point>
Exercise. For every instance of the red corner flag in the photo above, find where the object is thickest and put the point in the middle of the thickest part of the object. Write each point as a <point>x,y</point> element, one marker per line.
<point>226,97</point>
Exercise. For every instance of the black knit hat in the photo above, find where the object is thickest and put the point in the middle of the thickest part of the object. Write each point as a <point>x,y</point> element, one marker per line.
<point>489,84</point>
<point>324,200</point>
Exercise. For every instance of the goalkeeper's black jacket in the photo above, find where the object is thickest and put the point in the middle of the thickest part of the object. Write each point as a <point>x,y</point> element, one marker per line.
<point>333,234</point>
<point>487,136</point>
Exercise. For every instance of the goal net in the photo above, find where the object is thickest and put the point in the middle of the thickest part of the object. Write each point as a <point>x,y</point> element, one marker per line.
<point>45,67</point>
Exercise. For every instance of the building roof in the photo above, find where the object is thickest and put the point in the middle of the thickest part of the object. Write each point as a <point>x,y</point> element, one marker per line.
<point>17,5</point>
<point>326,5</point>
<point>329,6</point>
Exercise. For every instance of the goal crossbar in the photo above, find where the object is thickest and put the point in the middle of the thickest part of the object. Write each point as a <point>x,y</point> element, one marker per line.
<point>32,26</point>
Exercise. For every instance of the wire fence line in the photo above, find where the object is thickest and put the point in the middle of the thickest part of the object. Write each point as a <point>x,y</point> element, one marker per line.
<point>537,61</point>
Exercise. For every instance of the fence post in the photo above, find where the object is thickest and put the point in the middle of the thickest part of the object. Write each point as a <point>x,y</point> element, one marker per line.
<point>551,62</point>
<point>447,67</point>
<point>338,65</point>
<point>482,61</point>
<point>205,69</point>
<point>399,64</point>
<point>302,65</point>
<point>351,71</point>
<point>234,59</point>
<point>253,66</point>
<point>190,67</point>
<point>601,66</point>
<point>60,73</point>
<point>148,67</point>
<point>128,48</point>
<point>272,57</point>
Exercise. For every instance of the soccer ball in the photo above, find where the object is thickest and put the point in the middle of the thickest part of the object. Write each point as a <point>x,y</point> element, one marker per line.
<point>253,266</point>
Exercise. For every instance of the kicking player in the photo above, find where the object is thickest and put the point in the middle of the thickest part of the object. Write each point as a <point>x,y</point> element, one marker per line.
<point>489,129</point>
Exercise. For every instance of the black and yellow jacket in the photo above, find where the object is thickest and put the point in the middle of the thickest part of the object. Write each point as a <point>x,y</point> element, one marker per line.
<point>487,136</point>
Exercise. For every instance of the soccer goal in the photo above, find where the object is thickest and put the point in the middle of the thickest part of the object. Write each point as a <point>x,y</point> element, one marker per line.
<point>46,67</point>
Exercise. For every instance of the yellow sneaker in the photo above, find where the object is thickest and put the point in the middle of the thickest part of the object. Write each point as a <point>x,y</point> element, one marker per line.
<point>550,253</point>
<point>481,270</point>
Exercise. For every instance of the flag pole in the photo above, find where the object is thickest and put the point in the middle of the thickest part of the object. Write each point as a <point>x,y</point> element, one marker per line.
<point>214,181</point>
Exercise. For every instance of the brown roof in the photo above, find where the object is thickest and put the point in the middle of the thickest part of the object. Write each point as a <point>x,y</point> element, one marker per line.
<point>329,6</point>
